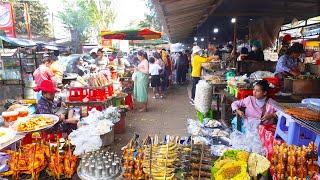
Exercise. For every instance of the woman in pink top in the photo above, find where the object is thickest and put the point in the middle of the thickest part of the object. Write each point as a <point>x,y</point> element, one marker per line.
<point>43,72</point>
<point>141,81</point>
<point>258,106</point>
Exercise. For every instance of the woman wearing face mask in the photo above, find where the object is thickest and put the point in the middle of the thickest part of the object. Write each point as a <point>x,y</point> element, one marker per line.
<point>288,64</point>
<point>256,53</point>
<point>258,106</point>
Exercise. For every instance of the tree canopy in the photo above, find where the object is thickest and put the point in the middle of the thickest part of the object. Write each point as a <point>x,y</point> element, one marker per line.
<point>38,18</point>
<point>150,18</point>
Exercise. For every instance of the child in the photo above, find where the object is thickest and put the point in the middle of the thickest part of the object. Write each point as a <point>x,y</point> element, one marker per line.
<point>154,70</point>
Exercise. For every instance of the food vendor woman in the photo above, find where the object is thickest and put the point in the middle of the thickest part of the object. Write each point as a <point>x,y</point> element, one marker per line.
<point>288,64</point>
<point>258,106</point>
<point>47,105</point>
<point>121,63</point>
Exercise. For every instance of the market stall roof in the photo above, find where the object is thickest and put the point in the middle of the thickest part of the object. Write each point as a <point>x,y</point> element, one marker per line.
<point>182,18</point>
<point>137,34</point>
<point>9,42</point>
<point>148,42</point>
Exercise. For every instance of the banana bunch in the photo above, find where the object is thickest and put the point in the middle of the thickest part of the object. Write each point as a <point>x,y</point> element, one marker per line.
<point>159,161</point>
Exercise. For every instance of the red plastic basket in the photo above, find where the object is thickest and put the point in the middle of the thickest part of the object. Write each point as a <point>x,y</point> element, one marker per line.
<point>273,80</point>
<point>243,93</point>
<point>97,94</point>
<point>28,139</point>
<point>109,90</point>
<point>77,94</point>
<point>99,108</point>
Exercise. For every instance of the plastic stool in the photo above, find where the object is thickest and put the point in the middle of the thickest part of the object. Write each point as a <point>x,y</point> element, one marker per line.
<point>294,134</point>
<point>318,148</point>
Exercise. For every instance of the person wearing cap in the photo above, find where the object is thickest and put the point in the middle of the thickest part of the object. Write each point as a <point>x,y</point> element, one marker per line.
<point>256,52</point>
<point>288,64</point>
<point>43,72</point>
<point>197,60</point>
<point>47,105</point>
<point>286,41</point>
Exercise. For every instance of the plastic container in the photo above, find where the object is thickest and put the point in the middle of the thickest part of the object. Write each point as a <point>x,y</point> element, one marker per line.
<point>23,111</point>
<point>10,116</point>
<point>120,127</point>
<point>109,90</point>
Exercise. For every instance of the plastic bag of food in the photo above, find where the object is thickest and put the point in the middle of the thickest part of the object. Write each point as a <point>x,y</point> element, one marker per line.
<point>86,139</point>
<point>203,97</point>
<point>249,140</point>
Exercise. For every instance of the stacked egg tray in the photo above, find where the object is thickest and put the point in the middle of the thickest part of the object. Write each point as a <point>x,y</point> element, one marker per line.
<point>99,165</point>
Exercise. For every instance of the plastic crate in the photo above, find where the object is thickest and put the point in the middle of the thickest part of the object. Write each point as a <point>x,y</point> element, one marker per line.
<point>77,94</point>
<point>243,93</point>
<point>109,90</point>
<point>97,94</point>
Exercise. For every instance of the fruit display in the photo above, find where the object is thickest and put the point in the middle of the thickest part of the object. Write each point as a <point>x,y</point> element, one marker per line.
<point>35,122</point>
<point>100,164</point>
<point>303,113</point>
<point>292,162</point>
<point>200,161</point>
<point>159,161</point>
<point>239,165</point>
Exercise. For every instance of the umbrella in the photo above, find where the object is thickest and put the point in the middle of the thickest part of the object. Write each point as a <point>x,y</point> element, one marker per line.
<point>142,34</point>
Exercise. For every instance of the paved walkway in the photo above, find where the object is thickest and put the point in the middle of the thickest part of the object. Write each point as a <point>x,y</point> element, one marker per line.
<point>164,117</point>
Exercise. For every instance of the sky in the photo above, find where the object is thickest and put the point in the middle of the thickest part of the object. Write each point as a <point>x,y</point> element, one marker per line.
<point>126,11</point>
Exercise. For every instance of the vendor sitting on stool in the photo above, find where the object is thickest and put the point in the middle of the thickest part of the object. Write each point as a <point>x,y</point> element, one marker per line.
<point>258,106</point>
<point>47,105</point>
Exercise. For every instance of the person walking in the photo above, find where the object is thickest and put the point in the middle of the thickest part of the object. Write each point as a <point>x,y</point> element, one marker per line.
<point>154,70</point>
<point>180,65</point>
<point>141,81</point>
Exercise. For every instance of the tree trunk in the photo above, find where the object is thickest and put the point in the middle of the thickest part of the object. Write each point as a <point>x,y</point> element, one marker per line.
<point>75,41</point>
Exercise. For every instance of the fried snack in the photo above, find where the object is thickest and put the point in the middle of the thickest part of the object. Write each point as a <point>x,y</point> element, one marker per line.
<point>35,123</point>
<point>303,113</point>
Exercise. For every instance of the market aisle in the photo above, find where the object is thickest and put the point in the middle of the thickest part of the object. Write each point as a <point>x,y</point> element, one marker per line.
<point>164,117</point>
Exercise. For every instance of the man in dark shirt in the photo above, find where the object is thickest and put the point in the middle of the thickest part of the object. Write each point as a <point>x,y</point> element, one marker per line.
<point>47,105</point>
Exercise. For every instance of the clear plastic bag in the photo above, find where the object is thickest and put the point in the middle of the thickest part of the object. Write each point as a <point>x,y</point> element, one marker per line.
<point>203,97</point>
<point>249,140</point>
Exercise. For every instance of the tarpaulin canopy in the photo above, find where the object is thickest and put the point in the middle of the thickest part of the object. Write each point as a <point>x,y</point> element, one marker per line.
<point>138,34</point>
<point>148,42</point>
<point>9,42</point>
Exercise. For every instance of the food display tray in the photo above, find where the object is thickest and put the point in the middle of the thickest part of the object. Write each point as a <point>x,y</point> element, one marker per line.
<point>54,117</point>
